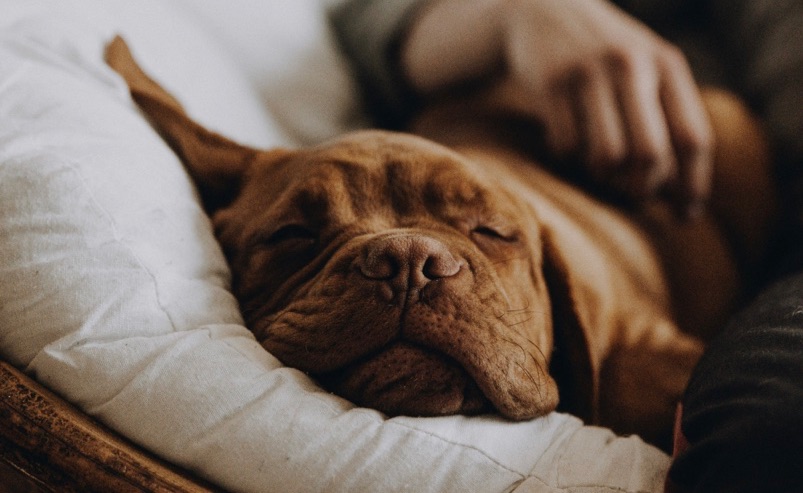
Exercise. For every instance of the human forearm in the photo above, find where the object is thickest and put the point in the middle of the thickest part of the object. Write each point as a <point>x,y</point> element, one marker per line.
<point>452,41</point>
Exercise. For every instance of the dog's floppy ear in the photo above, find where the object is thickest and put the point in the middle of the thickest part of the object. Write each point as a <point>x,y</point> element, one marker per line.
<point>215,163</point>
<point>575,365</point>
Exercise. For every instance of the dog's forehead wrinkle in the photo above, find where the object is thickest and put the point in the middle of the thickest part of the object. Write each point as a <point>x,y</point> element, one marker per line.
<point>450,190</point>
<point>330,192</point>
<point>400,186</point>
<point>439,186</point>
<point>419,175</point>
<point>367,149</point>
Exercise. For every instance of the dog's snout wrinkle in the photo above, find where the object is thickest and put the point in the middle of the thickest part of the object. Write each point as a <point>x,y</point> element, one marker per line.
<point>406,263</point>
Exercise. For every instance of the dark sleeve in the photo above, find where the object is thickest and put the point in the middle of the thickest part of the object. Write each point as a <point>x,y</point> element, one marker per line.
<point>369,32</point>
<point>763,42</point>
<point>743,409</point>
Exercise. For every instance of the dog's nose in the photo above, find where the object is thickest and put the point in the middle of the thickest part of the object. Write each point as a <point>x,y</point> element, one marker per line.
<point>407,261</point>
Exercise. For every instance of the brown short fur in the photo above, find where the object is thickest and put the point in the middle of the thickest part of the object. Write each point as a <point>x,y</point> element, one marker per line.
<point>430,278</point>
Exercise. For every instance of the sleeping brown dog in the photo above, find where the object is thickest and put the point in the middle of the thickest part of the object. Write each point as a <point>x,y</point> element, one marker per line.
<point>424,279</point>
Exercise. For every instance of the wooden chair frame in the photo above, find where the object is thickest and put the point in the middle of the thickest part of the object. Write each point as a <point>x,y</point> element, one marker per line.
<point>61,449</point>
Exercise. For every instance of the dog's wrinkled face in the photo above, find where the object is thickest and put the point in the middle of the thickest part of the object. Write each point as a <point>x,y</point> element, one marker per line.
<point>410,278</point>
<point>397,273</point>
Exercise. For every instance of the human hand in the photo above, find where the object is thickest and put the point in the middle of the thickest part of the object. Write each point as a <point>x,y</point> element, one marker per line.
<point>609,91</point>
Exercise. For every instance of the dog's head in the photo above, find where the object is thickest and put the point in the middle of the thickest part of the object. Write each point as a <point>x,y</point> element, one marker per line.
<point>397,272</point>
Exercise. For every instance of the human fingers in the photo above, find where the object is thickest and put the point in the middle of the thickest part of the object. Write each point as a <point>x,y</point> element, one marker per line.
<point>690,131</point>
<point>603,135</point>
<point>651,162</point>
<point>561,124</point>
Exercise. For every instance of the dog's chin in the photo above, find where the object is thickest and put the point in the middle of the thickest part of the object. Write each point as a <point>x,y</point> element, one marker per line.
<point>404,379</point>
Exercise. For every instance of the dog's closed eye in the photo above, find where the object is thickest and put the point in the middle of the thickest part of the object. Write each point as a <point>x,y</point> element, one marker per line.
<point>290,232</point>
<point>493,233</point>
<point>495,239</point>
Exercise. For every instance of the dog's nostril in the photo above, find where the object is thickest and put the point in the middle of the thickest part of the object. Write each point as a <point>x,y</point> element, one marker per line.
<point>412,259</point>
<point>440,266</point>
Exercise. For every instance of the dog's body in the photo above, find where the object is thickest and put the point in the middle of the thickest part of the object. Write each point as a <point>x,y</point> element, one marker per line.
<point>422,279</point>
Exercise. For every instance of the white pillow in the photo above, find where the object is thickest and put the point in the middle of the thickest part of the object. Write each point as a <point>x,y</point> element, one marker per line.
<point>115,294</point>
<point>287,50</point>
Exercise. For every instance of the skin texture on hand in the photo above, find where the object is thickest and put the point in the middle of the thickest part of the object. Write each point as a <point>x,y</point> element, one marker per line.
<point>607,89</point>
